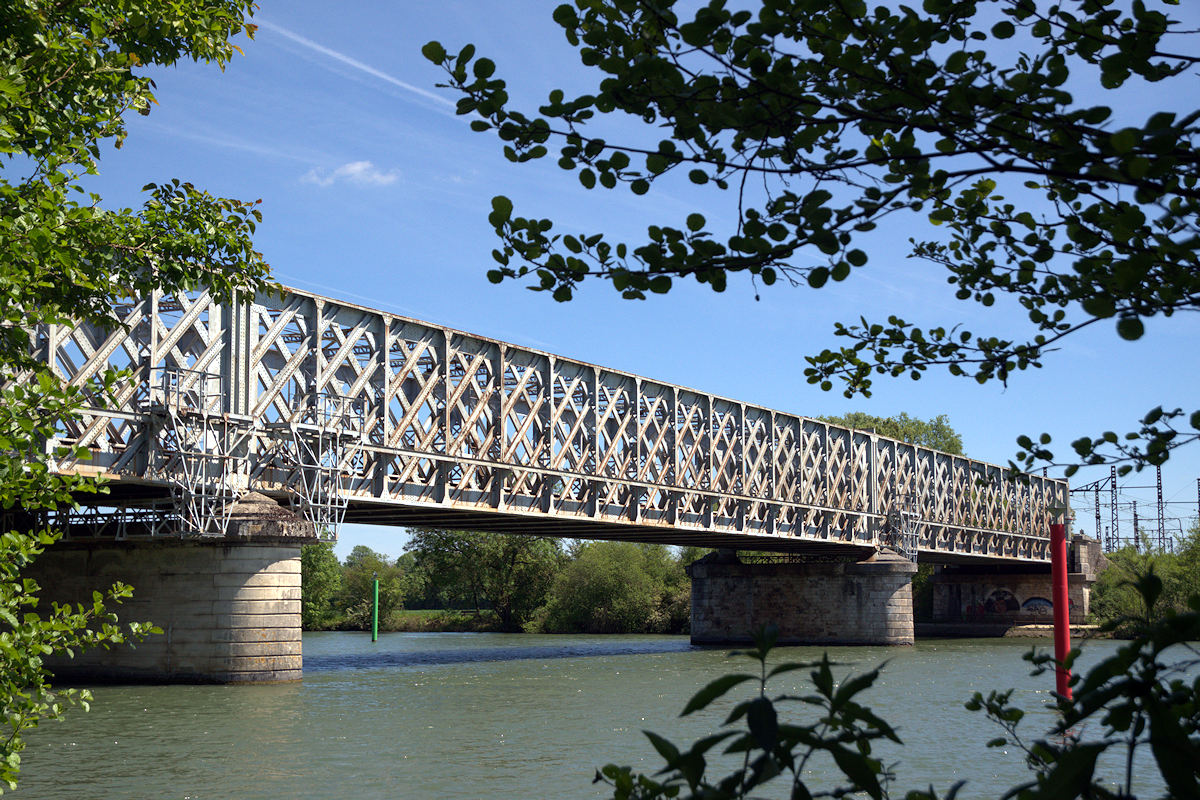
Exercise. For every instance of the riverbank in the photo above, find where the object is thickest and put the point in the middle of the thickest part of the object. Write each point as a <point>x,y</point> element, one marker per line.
<point>444,621</point>
<point>466,621</point>
<point>431,620</point>
<point>988,630</point>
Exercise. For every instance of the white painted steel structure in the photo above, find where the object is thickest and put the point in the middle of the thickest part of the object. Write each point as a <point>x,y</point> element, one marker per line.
<point>350,413</point>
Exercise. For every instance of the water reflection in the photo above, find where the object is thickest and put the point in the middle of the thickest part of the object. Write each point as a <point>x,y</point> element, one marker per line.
<point>575,647</point>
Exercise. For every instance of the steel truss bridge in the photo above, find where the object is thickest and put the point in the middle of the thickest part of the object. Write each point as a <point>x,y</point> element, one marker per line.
<point>350,414</point>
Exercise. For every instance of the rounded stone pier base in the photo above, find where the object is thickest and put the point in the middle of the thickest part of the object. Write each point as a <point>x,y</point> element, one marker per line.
<point>869,602</point>
<point>229,613</point>
<point>228,606</point>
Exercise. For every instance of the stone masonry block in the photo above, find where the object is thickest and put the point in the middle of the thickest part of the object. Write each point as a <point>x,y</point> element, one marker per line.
<point>258,620</point>
<point>268,663</point>
<point>274,563</point>
<point>257,579</point>
<point>284,634</point>
<point>264,648</point>
<point>256,593</point>
<point>257,606</point>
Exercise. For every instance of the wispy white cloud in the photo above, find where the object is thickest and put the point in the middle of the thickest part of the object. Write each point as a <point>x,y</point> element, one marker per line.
<point>353,62</point>
<point>232,143</point>
<point>359,173</point>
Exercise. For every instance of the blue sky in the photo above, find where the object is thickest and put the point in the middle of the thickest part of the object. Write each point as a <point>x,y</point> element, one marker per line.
<point>375,192</point>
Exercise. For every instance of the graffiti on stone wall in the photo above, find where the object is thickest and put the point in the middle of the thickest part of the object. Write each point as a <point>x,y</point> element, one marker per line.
<point>1038,606</point>
<point>1011,600</point>
<point>998,601</point>
<point>1002,602</point>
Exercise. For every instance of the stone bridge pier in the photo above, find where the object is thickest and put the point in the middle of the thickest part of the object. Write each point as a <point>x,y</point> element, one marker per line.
<point>810,602</point>
<point>228,606</point>
<point>988,600</point>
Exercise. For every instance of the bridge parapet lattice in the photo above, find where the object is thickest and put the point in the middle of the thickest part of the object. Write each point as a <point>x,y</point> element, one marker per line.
<point>357,414</point>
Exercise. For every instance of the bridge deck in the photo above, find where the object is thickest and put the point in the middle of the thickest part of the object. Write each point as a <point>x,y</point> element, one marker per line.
<point>355,414</point>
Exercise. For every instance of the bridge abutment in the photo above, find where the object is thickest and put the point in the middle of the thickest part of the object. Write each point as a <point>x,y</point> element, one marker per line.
<point>810,602</point>
<point>229,607</point>
<point>988,600</point>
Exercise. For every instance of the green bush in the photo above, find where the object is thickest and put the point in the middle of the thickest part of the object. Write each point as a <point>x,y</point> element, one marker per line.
<point>320,583</point>
<point>1115,596</point>
<point>618,587</point>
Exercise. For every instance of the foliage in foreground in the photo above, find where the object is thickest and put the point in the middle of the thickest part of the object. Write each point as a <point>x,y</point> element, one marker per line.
<point>1144,697</point>
<point>30,633</point>
<point>1004,123</point>
<point>69,72</point>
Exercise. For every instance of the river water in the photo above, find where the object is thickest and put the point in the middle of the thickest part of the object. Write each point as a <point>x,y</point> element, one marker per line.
<point>498,716</point>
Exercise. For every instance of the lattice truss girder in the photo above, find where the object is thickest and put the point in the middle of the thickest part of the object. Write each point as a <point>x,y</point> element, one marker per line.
<point>335,403</point>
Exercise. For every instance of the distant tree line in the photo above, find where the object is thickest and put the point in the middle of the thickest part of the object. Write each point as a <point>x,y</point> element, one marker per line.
<point>503,582</point>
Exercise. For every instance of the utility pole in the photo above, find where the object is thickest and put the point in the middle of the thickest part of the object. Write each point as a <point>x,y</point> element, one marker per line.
<point>1137,539</point>
<point>1162,527</point>
<point>1112,505</point>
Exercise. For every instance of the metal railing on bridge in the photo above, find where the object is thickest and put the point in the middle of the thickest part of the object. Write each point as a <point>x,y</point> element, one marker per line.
<point>353,413</point>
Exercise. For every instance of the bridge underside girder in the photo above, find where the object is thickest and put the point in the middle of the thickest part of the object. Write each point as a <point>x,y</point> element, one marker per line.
<point>135,494</point>
<point>520,524</point>
<point>495,522</point>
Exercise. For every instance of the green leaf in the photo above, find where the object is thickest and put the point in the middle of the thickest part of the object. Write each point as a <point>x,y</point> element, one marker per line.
<point>668,751</point>
<point>763,723</point>
<point>434,52</point>
<point>1071,774</point>
<point>861,769</point>
<point>1124,140</point>
<point>483,68</point>
<point>1003,30</point>
<point>714,690</point>
<point>502,209</point>
<point>1174,751</point>
<point>1130,328</point>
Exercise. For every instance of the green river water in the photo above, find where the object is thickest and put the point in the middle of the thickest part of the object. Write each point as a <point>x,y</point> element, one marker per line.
<point>495,716</point>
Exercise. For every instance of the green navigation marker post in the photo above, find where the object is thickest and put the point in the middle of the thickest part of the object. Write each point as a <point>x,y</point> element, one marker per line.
<point>375,608</point>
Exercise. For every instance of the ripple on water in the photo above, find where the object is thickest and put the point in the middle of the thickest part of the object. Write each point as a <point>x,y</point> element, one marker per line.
<point>469,715</point>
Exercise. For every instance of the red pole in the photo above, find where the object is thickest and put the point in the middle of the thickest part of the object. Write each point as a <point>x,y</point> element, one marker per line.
<point>1062,618</point>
